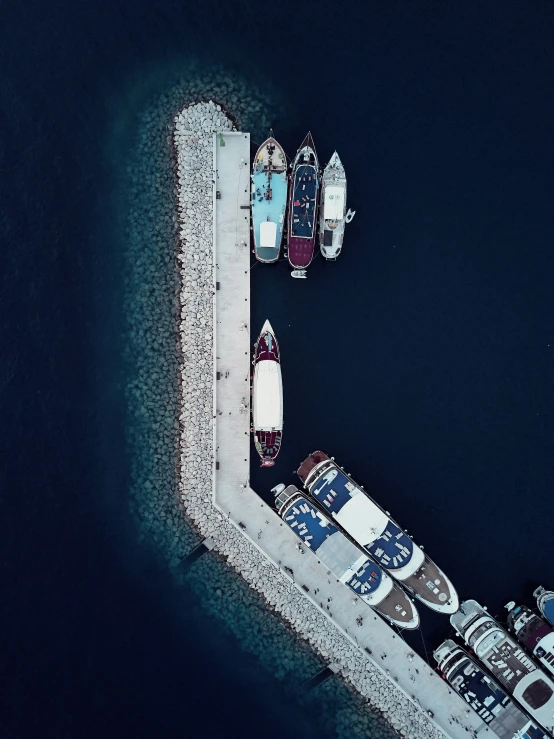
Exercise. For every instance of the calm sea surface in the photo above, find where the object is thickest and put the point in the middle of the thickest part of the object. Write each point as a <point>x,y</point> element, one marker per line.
<point>422,359</point>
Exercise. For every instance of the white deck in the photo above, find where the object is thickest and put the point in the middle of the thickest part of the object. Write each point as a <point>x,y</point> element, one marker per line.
<point>267,396</point>
<point>232,493</point>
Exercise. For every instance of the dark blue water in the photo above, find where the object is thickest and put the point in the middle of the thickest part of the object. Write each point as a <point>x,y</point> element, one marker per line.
<point>437,392</point>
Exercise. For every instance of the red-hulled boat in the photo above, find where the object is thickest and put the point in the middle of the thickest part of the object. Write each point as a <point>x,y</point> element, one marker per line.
<point>267,397</point>
<point>303,201</point>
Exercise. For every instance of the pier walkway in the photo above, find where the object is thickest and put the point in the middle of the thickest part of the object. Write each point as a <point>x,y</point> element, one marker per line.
<point>232,494</point>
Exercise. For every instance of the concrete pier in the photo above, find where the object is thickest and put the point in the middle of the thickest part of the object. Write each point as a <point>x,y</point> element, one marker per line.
<point>232,360</point>
<point>232,493</point>
<point>214,179</point>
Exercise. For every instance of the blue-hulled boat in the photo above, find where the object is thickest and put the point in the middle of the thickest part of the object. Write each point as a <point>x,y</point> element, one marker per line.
<point>269,199</point>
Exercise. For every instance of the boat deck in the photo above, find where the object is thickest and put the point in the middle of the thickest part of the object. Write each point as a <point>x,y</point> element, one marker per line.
<point>341,556</point>
<point>309,463</point>
<point>303,202</point>
<point>334,490</point>
<point>268,443</point>
<point>391,547</point>
<point>269,203</point>
<point>271,153</point>
<point>268,348</point>
<point>486,697</point>
<point>430,584</point>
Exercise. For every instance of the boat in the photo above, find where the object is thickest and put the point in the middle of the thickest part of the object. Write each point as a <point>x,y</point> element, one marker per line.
<point>376,532</point>
<point>498,711</point>
<point>348,563</point>
<point>303,202</point>
<point>267,396</point>
<point>269,199</point>
<point>545,603</point>
<point>332,213</point>
<point>534,633</point>
<point>507,662</point>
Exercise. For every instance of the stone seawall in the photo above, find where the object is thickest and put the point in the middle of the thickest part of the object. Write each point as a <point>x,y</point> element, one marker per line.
<point>193,139</point>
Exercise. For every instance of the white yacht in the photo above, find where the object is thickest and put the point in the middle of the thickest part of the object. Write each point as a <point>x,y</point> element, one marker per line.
<point>332,214</point>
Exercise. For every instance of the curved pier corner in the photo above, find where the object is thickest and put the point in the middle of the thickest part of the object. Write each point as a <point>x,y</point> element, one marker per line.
<point>213,188</point>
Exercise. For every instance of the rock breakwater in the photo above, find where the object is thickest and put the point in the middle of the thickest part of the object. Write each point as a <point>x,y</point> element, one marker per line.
<point>147,211</point>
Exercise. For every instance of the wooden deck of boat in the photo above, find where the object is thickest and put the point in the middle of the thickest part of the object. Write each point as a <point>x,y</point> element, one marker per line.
<point>278,157</point>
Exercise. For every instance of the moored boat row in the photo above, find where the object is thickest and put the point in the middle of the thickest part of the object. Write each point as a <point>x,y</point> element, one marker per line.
<point>306,192</point>
<point>350,564</point>
<point>526,679</point>
<point>376,532</point>
<point>498,711</point>
<point>507,662</point>
<point>363,546</point>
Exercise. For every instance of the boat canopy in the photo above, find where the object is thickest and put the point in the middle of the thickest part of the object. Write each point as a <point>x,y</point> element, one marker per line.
<point>268,234</point>
<point>362,519</point>
<point>333,207</point>
<point>268,396</point>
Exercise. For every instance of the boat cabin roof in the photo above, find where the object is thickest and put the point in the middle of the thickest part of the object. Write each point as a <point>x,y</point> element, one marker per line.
<point>333,206</point>
<point>268,396</point>
<point>362,518</point>
<point>268,234</point>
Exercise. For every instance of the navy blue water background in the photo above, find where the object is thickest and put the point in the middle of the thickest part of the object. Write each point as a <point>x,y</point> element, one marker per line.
<point>422,359</point>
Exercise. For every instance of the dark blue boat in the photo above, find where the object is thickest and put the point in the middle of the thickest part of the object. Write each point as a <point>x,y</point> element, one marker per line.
<point>303,203</point>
